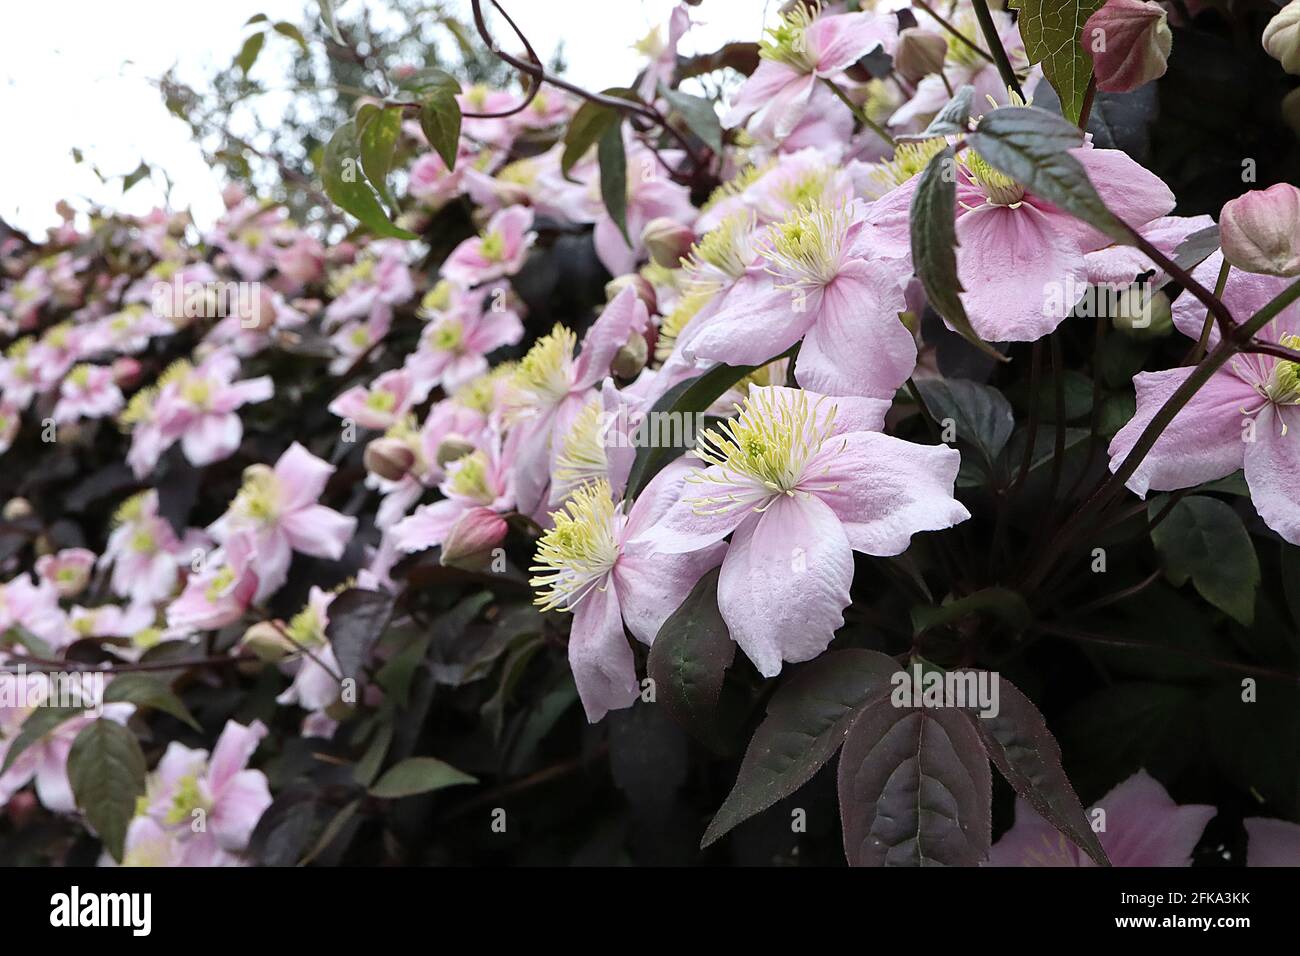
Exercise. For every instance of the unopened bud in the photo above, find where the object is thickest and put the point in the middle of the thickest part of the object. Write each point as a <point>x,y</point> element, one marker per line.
<point>631,357</point>
<point>268,642</point>
<point>126,372</point>
<point>667,240</point>
<point>641,285</point>
<point>920,53</point>
<point>1130,42</point>
<point>1282,37</point>
<point>16,509</point>
<point>453,448</point>
<point>1260,231</point>
<point>470,542</point>
<point>389,458</point>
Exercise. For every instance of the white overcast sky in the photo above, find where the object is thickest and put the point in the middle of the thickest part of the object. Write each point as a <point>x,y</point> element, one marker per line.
<point>75,73</point>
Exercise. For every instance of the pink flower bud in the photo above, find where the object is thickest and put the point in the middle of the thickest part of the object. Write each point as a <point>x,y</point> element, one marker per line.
<point>389,458</point>
<point>233,195</point>
<point>1260,231</point>
<point>1282,37</point>
<point>126,372</point>
<point>631,357</point>
<point>268,642</point>
<point>667,240</point>
<point>471,540</point>
<point>1130,42</point>
<point>644,290</point>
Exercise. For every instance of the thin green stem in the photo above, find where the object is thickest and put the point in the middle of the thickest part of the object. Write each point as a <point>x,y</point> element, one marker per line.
<point>857,111</point>
<point>990,31</point>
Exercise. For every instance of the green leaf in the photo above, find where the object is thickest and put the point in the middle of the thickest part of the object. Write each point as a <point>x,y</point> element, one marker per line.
<point>1203,539</point>
<point>589,123</point>
<point>418,775</point>
<point>287,29</point>
<point>981,416</point>
<point>440,120</point>
<point>1026,754</point>
<point>699,116</point>
<point>689,659</point>
<point>807,719</point>
<point>427,79</point>
<point>39,723</point>
<point>107,772</point>
<point>1031,146</point>
<point>380,129</point>
<point>1052,31</point>
<point>681,403</point>
<point>146,691</point>
<point>327,15</point>
<point>613,176</point>
<point>934,246</point>
<point>344,183</point>
<point>248,52</point>
<point>367,768</point>
<point>915,788</point>
<point>135,176</point>
<point>332,831</point>
<point>1002,603</point>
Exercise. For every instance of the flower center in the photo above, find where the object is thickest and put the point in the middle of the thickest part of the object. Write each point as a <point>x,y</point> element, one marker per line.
<point>493,246</point>
<point>787,42</point>
<point>469,478</point>
<point>447,335</point>
<point>723,253</point>
<point>998,188</point>
<point>771,441</point>
<point>543,374</point>
<point>575,555</point>
<point>908,160</point>
<point>381,401</point>
<point>1283,385</point>
<point>805,250</point>
<point>220,584</point>
<point>305,627</point>
<point>188,798</point>
<point>259,497</point>
<point>582,459</point>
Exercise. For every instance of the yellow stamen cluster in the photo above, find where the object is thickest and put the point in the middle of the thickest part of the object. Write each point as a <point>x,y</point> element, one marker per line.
<point>447,335</point>
<point>1284,383</point>
<point>675,322</point>
<point>999,188</point>
<point>582,457</point>
<point>469,478</point>
<point>543,375</point>
<point>770,442</point>
<point>805,249</point>
<point>787,42</point>
<point>723,251</point>
<point>908,160</point>
<point>738,183</point>
<point>436,299</point>
<point>258,499</point>
<point>575,555</point>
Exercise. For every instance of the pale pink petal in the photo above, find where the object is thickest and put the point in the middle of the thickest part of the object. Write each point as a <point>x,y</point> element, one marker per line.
<point>1202,443</point>
<point>756,323</point>
<point>785,582</point>
<point>232,751</point>
<point>858,345</point>
<point>840,41</point>
<point>884,490</point>
<point>1144,827</point>
<point>600,656</point>
<point>302,476</point>
<point>625,314</point>
<point>211,438</point>
<point>1273,469</point>
<point>319,531</point>
<point>239,806</point>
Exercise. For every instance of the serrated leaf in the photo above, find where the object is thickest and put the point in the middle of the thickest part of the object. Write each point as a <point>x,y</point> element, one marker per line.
<point>980,415</point>
<point>699,115</point>
<point>807,719</point>
<point>39,723</point>
<point>1026,754</point>
<point>934,246</point>
<point>106,769</point>
<point>247,55</point>
<point>1032,147</point>
<point>418,775</point>
<point>345,183</point>
<point>380,129</point>
<point>681,402</point>
<point>145,691</point>
<point>915,788</point>
<point>357,619</point>
<point>1052,31</point>
<point>1203,539</point>
<point>440,120</point>
<point>612,160</point>
<point>689,659</point>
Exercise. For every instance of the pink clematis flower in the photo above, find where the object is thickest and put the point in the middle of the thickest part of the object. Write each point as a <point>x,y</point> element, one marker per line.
<point>1246,416</point>
<point>800,481</point>
<point>145,553</point>
<point>276,513</point>
<point>386,400</point>
<point>478,487</point>
<point>498,251</point>
<point>68,570</point>
<point>813,281</point>
<point>88,391</point>
<point>596,564</point>
<point>220,593</point>
<point>209,804</point>
<point>454,345</point>
<point>797,54</point>
<point>1143,827</point>
<point>1022,261</point>
<point>314,686</point>
<point>34,607</point>
<point>551,386</point>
